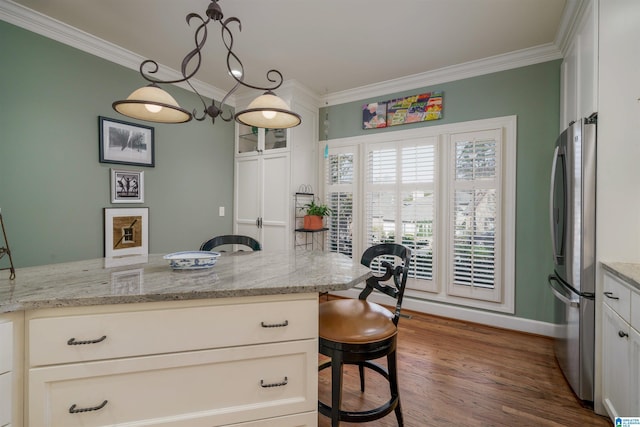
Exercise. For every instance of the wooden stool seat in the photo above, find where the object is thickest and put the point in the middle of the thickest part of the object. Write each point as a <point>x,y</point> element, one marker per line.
<point>354,321</point>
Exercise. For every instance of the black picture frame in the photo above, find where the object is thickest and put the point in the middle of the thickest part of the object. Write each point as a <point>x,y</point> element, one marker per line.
<point>126,143</point>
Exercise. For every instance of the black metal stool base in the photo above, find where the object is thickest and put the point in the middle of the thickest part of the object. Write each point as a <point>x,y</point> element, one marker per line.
<point>371,414</point>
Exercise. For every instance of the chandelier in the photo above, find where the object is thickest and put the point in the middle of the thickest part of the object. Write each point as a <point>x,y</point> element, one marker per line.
<point>151,103</point>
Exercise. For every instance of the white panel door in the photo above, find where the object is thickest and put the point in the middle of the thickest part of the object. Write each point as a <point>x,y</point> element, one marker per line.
<point>275,201</point>
<point>248,196</point>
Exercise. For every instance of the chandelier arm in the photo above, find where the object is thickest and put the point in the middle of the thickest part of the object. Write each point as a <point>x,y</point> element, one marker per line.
<point>200,38</point>
<point>227,39</point>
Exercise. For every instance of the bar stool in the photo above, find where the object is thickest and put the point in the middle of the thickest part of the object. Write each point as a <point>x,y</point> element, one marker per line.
<point>356,332</point>
<point>231,239</point>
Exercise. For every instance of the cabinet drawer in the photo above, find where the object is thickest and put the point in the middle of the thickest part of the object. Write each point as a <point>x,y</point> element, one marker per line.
<point>635,311</point>
<point>308,419</point>
<point>6,347</point>
<point>168,330</point>
<point>6,401</point>
<point>617,296</point>
<point>202,388</point>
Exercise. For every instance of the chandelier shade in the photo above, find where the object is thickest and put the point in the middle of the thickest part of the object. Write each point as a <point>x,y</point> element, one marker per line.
<point>151,103</point>
<point>268,111</point>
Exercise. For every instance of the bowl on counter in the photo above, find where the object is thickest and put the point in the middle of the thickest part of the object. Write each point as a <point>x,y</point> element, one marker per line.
<point>192,260</point>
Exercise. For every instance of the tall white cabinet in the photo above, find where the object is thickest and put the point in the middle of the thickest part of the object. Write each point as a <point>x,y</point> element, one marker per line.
<point>270,165</point>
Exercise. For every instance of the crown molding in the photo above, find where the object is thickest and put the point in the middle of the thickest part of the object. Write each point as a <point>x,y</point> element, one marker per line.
<point>517,59</point>
<point>46,26</point>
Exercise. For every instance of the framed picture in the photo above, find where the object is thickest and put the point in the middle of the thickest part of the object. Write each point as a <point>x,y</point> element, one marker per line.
<point>126,231</point>
<point>127,186</point>
<point>126,143</point>
<point>374,115</point>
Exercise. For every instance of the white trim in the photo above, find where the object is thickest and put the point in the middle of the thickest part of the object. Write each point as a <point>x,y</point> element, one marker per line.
<point>46,26</point>
<point>493,64</point>
<point>488,318</point>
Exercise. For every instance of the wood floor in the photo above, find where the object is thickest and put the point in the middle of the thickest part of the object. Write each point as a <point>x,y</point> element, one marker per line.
<point>454,373</point>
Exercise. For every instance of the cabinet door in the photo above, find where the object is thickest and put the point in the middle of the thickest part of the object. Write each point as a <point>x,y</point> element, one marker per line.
<point>6,366</point>
<point>248,196</point>
<point>634,359</point>
<point>615,364</point>
<point>275,201</point>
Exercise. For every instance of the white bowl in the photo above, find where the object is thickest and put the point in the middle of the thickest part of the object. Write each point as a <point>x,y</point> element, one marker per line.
<point>192,260</point>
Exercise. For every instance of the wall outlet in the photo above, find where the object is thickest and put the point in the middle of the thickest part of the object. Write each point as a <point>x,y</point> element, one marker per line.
<point>221,211</point>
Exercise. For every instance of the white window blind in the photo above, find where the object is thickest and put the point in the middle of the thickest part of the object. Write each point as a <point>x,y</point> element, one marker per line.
<point>399,202</point>
<point>340,182</point>
<point>475,215</point>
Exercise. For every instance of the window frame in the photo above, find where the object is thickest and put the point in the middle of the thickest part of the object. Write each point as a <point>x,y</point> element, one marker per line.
<point>507,127</point>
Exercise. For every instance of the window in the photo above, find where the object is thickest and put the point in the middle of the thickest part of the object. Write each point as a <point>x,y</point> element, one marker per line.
<point>447,192</point>
<point>399,201</point>
<point>340,184</point>
<point>475,201</point>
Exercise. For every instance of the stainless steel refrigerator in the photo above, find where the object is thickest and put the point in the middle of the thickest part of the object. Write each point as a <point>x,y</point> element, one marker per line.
<point>572,215</point>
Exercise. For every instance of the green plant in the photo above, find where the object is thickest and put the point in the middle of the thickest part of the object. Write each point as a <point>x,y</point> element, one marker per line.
<point>317,209</point>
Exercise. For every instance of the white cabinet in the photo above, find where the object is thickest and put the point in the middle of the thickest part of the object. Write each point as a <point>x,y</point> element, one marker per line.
<point>579,93</point>
<point>620,348</point>
<point>6,372</point>
<point>270,166</point>
<point>221,362</point>
<point>261,198</point>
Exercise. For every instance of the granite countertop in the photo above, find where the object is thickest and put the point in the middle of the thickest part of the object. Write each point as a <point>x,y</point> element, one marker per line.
<point>97,282</point>
<point>629,272</point>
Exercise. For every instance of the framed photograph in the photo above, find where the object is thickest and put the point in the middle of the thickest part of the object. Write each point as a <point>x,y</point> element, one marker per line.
<point>126,143</point>
<point>126,231</point>
<point>127,186</point>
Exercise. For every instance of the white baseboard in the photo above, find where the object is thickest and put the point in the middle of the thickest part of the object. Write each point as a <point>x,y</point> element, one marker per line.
<point>488,318</point>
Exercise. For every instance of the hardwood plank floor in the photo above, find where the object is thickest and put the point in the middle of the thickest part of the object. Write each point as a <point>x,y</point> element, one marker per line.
<point>454,373</point>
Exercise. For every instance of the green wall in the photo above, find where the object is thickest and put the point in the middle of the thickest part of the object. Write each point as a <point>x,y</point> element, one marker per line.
<point>53,188</point>
<point>533,94</point>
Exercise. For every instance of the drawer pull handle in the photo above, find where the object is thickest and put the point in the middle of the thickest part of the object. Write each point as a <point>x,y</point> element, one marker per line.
<point>74,410</point>
<point>280,384</point>
<point>275,325</point>
<point>610,295</point>
<point>622,334</point>
<point>72,341</point>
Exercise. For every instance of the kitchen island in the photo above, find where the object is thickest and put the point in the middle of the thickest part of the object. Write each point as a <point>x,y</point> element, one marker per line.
<point>96,345</point>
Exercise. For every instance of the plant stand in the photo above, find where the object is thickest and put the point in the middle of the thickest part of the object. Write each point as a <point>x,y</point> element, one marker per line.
<point>306,239</point>
<point>4,250</point>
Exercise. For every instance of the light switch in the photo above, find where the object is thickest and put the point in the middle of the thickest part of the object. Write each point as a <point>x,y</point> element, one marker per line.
<point>221,211</point>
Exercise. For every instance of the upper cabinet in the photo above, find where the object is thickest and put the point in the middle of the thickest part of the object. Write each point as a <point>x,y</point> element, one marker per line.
<point>252,140</point>
<point>579,94</point>
<point>270,166</point>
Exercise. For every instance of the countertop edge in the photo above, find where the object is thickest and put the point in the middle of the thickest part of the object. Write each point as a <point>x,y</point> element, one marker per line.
<point>629,272</point>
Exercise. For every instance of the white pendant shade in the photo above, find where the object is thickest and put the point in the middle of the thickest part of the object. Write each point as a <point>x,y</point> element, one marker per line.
<point>268,111</point>
<point>152,104</point>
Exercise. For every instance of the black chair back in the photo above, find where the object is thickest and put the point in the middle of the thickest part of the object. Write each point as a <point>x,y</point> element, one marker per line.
<point>395,289</point>
<point>231,239</point>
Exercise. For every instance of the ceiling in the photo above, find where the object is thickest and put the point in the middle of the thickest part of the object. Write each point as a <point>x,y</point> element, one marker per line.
<point>327,46</point>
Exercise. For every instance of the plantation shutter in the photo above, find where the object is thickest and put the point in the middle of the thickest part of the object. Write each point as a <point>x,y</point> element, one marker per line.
<point>475,216</point>
<point>400,202</point>
<point>340,184</point>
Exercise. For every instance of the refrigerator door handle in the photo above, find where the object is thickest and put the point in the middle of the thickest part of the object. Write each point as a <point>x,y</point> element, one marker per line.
<point>558,294</point>
<point>552,227</point>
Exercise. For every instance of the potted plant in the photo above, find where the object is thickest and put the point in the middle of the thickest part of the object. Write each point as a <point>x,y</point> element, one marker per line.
<point>315,214</point>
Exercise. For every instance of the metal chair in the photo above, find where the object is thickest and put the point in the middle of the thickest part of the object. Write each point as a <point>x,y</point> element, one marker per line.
<point>231,239</point>
<point>356,332</point>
